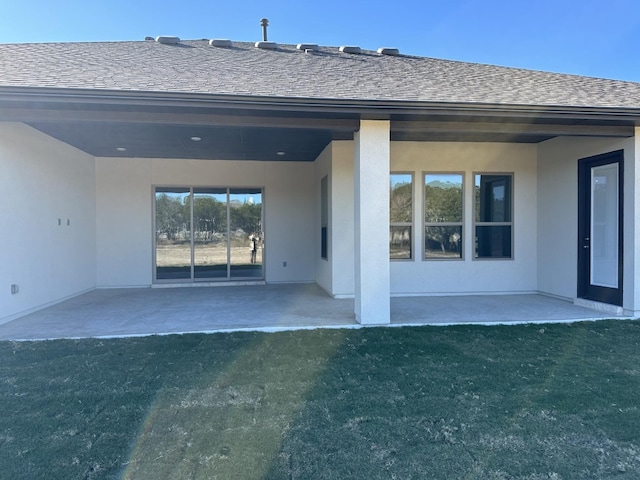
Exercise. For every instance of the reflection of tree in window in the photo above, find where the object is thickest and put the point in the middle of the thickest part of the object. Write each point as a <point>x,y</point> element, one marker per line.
<point>400,215</point>
<point>209,217</point>
<point>443,216</point>
<point>172,214</point>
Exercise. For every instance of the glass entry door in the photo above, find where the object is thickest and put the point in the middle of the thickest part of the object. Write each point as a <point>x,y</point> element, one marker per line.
<point>206,234</point>
<point>600,228</point>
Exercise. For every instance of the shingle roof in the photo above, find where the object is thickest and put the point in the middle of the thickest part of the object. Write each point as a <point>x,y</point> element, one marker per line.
<point>196,67</point>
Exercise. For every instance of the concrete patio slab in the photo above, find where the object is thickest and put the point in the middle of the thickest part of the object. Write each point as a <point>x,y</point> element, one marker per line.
<point>133,312</point>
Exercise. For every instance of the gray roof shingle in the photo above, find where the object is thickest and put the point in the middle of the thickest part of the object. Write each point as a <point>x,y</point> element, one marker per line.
<point>196,67</point>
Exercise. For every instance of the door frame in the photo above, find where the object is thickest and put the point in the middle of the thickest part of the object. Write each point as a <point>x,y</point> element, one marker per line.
<point>193,279</point>
<point>585,289</point>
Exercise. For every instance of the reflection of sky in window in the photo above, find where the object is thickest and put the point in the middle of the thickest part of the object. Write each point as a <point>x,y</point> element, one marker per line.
<point>398,179</point>
<point>246,198</point>
<point>180,194</point>
<point>455,179</point>
<point>174,195</point>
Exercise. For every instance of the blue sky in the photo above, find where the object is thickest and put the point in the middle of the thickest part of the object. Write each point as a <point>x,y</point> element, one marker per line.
<point>588,37</point>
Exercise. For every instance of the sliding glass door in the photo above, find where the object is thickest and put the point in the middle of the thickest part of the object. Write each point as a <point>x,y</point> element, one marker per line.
<point>173,233</point>
<point>207,234</point>
<point>210,228</point>
<point>245,217</point>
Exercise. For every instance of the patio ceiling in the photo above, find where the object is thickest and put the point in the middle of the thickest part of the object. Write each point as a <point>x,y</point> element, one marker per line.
<point>127,124</point>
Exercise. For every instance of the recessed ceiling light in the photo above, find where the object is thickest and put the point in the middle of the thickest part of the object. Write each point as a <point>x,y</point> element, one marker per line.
<point>280,154</point>
<point>196,139</point>
<point>121,149</point>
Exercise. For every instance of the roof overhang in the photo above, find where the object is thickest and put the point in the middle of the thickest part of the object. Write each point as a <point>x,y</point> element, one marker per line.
<point>151,124</point>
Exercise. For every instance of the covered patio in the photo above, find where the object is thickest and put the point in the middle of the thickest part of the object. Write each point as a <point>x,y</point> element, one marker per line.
<point>160,311</point>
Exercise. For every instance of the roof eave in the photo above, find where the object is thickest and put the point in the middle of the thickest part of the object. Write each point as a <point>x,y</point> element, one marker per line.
<point>38,97</point>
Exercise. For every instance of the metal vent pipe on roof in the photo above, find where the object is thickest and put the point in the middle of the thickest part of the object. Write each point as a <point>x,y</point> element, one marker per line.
<point>350,49</point>
<point>167,40</point>
<point>394,52</point>
<point>264,23</point>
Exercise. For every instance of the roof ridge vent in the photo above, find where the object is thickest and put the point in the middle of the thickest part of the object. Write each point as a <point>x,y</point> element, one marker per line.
<point>266,45</point>
<point>351,49</point>
<point>307,46</point>
<point>394,52</point>
<point>167,40</point>
<point>220,42</point>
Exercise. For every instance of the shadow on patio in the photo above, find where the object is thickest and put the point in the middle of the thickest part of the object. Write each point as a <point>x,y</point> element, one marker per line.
<point>132,312</point>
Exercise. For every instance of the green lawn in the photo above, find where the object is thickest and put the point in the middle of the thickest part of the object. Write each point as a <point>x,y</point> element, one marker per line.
<point>469,402</point>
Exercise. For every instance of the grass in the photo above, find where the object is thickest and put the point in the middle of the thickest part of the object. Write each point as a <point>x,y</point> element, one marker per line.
<point>515,402</point>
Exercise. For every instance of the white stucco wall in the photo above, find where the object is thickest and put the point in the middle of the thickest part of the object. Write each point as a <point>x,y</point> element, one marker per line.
<point>437,277</point>
<point>323,267</point>
<point>126,185</point>
<point>124,222</point>
<point>470,276</point>
<point>631,217</point>
<point>42,181</point>
<point>558,207</point>
<point>342,219</point>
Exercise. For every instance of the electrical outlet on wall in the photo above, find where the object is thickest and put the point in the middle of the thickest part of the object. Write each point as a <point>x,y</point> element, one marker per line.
<point>284,264</point>
<point>14,289</point>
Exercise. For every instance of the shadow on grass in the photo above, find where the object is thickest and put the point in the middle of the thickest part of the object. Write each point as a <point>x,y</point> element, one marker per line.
<point>525,402</point>
<point>192,406</point>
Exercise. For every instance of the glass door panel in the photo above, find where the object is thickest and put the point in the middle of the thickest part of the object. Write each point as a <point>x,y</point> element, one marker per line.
<point>604,225</point>
<point>245,233</point>
<point>210,255</point>
<point>173,233</point>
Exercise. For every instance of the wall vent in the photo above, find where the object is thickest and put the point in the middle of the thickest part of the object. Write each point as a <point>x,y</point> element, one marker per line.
<point>220,42</point>
<point>307,46</point>
<point>394,52</point>
<point>266,45</point>
<point>166,40</point>
<point>351,49</point>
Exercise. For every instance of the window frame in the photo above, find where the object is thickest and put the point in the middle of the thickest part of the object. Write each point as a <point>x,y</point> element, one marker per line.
<point>510,224</point>
<point>324,218</point>
<point>426,224</point>
<point>193,279</point>
<point>404,224</point>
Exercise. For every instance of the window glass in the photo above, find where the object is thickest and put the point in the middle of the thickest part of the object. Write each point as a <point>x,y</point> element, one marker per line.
<point>443,215</point>
<point>493,198</point>
<point>400,216</point>
<point>493,216</point>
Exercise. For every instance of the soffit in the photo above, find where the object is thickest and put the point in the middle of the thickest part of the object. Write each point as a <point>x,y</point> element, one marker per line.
<point>234,128</point>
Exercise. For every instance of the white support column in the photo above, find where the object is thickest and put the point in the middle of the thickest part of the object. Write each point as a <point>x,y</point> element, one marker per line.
<point>371,188</point>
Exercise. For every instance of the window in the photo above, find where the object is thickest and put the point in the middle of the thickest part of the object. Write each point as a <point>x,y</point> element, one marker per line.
<point>443,200</point>
<point>400,216</point>
<point>324,217</point>
<point>493,215</point>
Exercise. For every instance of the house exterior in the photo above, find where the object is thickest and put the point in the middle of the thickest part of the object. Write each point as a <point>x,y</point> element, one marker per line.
<point>371,173</point>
